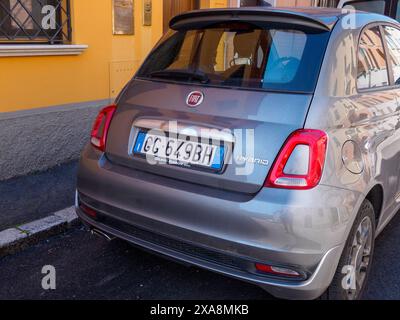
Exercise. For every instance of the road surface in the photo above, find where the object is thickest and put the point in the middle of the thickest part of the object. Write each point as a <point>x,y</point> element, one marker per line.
<point>88,267</point>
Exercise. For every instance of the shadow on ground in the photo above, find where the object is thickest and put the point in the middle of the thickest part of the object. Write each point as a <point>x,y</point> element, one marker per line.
<point>32,197</point>
<point>90,268</point>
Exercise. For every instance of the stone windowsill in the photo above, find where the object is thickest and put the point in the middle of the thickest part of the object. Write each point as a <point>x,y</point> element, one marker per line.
<point>22,50</point>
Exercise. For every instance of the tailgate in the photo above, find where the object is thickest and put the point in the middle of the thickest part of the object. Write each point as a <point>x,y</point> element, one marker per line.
<point>259,123</point>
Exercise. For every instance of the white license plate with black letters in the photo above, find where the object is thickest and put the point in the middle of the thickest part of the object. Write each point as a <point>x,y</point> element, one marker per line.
<point>179,151</point>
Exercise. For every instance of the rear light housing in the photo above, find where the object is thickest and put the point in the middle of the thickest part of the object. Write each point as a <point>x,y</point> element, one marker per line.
<point>316,143</point>
<point>98,136</point>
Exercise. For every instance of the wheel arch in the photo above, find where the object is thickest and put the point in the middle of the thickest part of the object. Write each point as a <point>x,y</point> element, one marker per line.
<point>376,197</point>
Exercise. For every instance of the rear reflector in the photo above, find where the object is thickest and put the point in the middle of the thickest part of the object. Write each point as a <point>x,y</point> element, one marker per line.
<point>290,170</point>
<point>88,211</point>
<point>277,271</point>
<point>98,136</point>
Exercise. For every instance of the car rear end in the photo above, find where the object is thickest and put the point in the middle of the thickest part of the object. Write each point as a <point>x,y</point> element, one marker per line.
<point>204,157</point>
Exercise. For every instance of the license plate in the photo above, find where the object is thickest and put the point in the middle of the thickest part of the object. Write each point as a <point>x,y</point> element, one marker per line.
<point>177,151</point>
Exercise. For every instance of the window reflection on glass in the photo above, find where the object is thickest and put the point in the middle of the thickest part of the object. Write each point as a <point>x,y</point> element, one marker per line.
<point>392,36</point>
<point>375,6</point>
<point>239,55</point>
<point>285,55</point>
<point>398,11</point>
<point>372,66</point>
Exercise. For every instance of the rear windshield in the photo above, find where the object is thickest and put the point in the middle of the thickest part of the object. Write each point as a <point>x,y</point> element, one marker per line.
<point>239,55</point>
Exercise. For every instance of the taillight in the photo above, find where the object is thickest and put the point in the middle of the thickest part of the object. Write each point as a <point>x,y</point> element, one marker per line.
<point>300,162</point>
<point>101,125</point>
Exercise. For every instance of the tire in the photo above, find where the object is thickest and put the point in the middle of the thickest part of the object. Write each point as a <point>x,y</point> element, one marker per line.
<point>338,290</point>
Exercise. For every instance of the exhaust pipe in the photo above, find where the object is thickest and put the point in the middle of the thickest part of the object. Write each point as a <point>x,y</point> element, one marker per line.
<point>102,234</point>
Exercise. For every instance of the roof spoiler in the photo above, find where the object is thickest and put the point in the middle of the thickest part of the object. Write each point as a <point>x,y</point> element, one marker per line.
<point>202,18</point>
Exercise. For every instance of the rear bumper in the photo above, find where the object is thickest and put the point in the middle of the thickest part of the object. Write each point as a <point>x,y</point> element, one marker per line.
<point>223,231</point>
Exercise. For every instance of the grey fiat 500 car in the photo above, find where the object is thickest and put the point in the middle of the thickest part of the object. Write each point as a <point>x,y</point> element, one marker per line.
<point>262,144</point>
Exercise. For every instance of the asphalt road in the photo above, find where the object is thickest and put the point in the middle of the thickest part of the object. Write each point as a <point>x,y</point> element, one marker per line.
<point>90,268</point>
<point>28,198</point>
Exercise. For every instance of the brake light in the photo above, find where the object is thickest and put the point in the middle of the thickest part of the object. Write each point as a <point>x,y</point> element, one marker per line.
<point>301,161</point>
<point>101,125</point>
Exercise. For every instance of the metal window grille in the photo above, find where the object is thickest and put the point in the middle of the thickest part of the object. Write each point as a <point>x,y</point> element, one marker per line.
<point>35,21</point>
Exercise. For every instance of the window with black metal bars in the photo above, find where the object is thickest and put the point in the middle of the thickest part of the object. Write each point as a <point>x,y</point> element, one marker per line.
<point>35,21</point>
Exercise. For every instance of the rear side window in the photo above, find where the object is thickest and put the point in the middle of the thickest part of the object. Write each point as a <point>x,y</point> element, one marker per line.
<point>372,65</point>
<point>392,36</point>
<point>240,55</point>
<point>374,6</point>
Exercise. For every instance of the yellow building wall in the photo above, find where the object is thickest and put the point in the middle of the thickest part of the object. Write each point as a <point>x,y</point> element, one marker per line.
<point>99,73</point>
<point>128,52</point>
<point>32,82</point>
<point>219,3</point>
<point>214,3</point>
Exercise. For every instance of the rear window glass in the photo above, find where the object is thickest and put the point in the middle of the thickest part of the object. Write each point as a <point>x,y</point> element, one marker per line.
<point>240,55</point>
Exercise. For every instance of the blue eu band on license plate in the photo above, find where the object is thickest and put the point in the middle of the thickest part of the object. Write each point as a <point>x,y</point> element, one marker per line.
<point>178,151</point>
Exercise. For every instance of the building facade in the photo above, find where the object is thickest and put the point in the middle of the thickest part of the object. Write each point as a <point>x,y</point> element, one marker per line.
<point>60,61</point>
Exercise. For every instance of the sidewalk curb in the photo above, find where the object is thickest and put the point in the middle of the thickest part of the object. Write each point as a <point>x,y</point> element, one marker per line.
<point>16,239</point>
